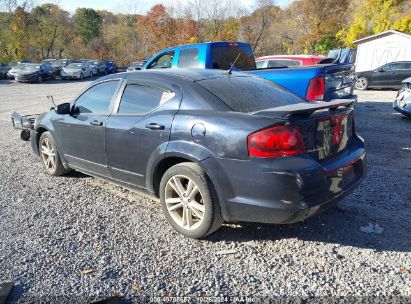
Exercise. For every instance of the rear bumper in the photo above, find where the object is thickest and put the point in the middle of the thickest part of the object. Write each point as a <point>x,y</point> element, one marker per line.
<point>284,190</point>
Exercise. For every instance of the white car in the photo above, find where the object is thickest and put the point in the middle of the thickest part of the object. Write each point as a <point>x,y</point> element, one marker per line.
<point>76,71</point>
<point>13,72</point>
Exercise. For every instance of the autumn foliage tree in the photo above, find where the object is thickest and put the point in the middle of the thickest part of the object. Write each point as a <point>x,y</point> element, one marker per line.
<point>369,17</point>
<point>305,26</point>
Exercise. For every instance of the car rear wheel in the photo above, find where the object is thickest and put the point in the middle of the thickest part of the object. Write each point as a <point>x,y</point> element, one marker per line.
<point>189,201</point>
<point>361,83</point>
<point>49,155</point>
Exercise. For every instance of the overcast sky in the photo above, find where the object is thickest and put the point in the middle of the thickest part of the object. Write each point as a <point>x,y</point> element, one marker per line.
<point>135,6</point>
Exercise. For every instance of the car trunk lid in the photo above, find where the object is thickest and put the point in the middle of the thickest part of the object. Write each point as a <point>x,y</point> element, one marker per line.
<point>326,128</point>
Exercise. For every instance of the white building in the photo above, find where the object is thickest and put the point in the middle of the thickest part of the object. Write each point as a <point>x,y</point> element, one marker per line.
<point>377,50</point>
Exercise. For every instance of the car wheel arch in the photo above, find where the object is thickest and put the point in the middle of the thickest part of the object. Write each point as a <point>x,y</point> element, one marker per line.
<point>173,152</point>
<point>161,168</point>
<point>39,131</point>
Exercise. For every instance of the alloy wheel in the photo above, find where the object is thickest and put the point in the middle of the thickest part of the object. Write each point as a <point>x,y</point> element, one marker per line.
<point>361,83</point>
<point>184,202</point>
<point>48,155</point>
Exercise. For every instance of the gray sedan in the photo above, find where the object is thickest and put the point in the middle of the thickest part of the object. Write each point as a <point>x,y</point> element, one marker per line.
<point>76,71</point>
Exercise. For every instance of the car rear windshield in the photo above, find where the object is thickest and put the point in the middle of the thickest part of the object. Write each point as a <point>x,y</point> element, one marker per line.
<point>249,94</point>
<point>224,56</point>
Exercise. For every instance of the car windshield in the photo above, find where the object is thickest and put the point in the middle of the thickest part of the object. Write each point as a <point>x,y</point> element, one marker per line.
<point>93,62</point>
<point>249,94</point>
<point>75,66</point>
<point>59,62</point>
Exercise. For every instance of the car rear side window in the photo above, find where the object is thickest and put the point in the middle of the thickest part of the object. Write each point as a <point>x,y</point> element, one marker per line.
<point>141,99</point>
<point>249,94</point>
<point>188,58</point>
<point>260,64</point>
<point>96,99</point>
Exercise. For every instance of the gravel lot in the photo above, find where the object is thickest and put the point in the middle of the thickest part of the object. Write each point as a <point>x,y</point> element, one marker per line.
<point>77,239</point>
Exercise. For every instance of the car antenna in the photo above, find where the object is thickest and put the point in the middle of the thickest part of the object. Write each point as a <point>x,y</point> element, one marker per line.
<point>50,97</point>
<point>232,66</point>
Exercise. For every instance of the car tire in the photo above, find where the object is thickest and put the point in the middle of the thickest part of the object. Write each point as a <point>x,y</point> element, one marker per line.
<point>25,135</point>
<point>361,83</point>
<point>189,201</point>
<point>81,76</point>
<point>39,79</point>
<point>49,155</point>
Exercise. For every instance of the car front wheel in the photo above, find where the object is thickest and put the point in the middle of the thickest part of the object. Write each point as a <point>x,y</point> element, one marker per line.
<point>361,83</point>
<point>189,201</point>
<point>49,155</point>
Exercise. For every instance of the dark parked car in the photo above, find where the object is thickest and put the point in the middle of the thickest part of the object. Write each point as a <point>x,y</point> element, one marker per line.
<point>402,103</point>
<point>97,67</point>
<point>4,68</point>
<point>111,67</point>
<point>34,72</point>
<point>137,65</point>
<point>389,75</point>
<point>212,146</point>
<point>59,64</point>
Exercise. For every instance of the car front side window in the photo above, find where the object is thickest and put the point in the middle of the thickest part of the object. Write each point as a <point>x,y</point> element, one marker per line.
<point>97,99</point>
<point>388,67</point>
<point>162,61</point>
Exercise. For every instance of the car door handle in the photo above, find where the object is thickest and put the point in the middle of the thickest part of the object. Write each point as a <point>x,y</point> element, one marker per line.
<point>96,123</point>
<point>154,126</point>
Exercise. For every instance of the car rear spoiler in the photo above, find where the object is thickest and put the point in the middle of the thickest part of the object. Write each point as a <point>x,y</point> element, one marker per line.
<point>306,109</point>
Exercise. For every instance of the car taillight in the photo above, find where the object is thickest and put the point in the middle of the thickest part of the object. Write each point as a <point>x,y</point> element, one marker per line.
<point>316,89</point>
<point>337,123</point>
<point>278,141</point>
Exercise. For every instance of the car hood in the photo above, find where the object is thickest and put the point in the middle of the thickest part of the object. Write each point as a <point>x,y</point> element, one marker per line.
<point>24,73</point>
<point>72,70</point>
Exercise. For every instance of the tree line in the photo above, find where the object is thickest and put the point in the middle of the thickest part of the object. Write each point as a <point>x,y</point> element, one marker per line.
<point>36,32</point>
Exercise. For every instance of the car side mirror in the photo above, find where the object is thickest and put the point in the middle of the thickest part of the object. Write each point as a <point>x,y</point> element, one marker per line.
<point>63,109</point>
<point>380,70</point>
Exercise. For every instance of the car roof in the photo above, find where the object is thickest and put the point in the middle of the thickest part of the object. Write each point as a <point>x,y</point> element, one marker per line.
<point>398,62</point>
<point>190,74</point>
<point>215,43</point>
